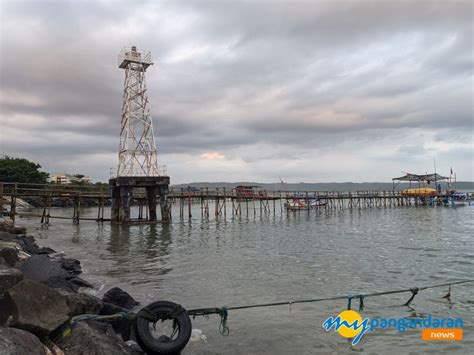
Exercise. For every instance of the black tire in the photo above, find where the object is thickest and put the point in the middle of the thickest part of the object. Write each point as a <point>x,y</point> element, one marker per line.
<point>163,345</point>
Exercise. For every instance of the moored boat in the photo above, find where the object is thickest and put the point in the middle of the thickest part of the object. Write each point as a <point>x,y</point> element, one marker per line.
<point>420,192</point>
<point>304,204</point>
<point>459,199</point>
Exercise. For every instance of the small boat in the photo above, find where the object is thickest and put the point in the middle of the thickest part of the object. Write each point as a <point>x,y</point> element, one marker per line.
<point>298,204</point>
<point>317,203</point>
<point>459,199</point>
<point>420,192</point>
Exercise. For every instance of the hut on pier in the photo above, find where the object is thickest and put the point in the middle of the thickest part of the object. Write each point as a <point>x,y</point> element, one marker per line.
<point>422,180</point>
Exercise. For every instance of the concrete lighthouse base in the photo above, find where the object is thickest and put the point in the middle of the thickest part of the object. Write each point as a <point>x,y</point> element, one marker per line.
<point>141,188</point>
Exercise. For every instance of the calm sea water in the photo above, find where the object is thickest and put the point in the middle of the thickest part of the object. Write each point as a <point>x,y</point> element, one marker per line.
<point>286,257</point>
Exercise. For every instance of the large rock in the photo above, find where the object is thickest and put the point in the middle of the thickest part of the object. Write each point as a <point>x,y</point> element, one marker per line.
<point>18,230</point>
<point>96,338</point>
<point>68,284</point>
<point>9,255</point>
<point>82,303</point>
<point>7,309</point>
<point>26,243</point>
<point>41,268</point>
<point>29,245</point>
<point>7,236</point>
<point>122,326</point>
<point>118,297</point>
<point>37,307</point>
<point>71,266</point>
<point>19,342</point>
<point>9,278</point>
<point>8,226</point>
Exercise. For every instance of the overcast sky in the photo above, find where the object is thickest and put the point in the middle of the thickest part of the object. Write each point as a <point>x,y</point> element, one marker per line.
<point>245,91</point>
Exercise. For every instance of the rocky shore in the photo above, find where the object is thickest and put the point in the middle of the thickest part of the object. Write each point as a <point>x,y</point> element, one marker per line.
<point>41,290</point>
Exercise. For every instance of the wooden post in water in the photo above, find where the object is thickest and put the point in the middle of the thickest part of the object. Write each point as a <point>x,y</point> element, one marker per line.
<point>189,205</point>
<point>225,208</point>
<point>253,205</point>
<point>100,213</point>
<point>216,212</point>
<point>1,199</point>
<point>43,215</point>
<point>46,210</point>
<point>151,192</point>
<point>140,209</point>
<point>281,203</point>
<point>233,203</point>
<point>202,204</point>
<point>48,215</point>
<point>13,204</point>
<point>274,205</point>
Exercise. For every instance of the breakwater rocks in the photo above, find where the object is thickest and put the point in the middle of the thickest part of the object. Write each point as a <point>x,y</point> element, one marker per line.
<point>40,291</point>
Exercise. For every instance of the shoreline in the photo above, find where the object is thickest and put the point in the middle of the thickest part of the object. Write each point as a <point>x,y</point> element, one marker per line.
<point>40,292</point>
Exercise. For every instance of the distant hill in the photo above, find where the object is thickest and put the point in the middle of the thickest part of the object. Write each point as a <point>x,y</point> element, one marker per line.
<point>320,186</point>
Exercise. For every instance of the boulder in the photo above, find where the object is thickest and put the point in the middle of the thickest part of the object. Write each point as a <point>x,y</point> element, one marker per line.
<point>41,268</point>
<point>118,297</point>
<point>37,307</point>
<point>9,278</point>
<point>122,326</point>
<point>7,236</point>
<point>18,230</point>
<point>17,342</point>
<point>78,282</point>
<point>7,309</point>
<point>26,243</point>
<point>6,224</point>
<point>97,338</point>
<point>53,348</point>
<point>29,245</point>
<point>71,266</point>
<point>69,284</point>
<point>9,255</point>
<point>82,303</point>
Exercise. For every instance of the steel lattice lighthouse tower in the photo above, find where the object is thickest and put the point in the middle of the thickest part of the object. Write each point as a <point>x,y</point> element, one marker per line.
<point>137,154</point>
<point>138,167</point>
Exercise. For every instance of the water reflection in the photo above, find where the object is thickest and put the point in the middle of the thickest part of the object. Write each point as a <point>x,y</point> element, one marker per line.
<point>289,256</point>
<point>119,240</point>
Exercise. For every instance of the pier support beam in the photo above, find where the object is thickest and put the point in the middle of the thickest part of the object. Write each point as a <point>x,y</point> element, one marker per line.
<point>122,193</point>
<point>151,198</point>
<point>165,205</point>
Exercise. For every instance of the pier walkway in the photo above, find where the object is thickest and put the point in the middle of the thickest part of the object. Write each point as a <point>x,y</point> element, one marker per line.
<point>219,202</point>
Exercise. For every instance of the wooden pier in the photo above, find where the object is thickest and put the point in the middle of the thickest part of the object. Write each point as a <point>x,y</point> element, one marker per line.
<point>219,203</point>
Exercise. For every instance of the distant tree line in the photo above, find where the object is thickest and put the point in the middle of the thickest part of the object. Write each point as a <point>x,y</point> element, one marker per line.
<point>21,170</point>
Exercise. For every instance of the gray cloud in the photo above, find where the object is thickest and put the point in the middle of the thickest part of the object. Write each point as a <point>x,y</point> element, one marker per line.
<point>273,88</point>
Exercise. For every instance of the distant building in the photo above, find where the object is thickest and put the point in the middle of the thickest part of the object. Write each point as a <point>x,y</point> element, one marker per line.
<point>63,178</point>
<point>246,190</point>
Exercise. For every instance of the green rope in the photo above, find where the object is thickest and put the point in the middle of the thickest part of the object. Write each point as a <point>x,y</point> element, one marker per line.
<point>223,312</point>
<point>223,328</point>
